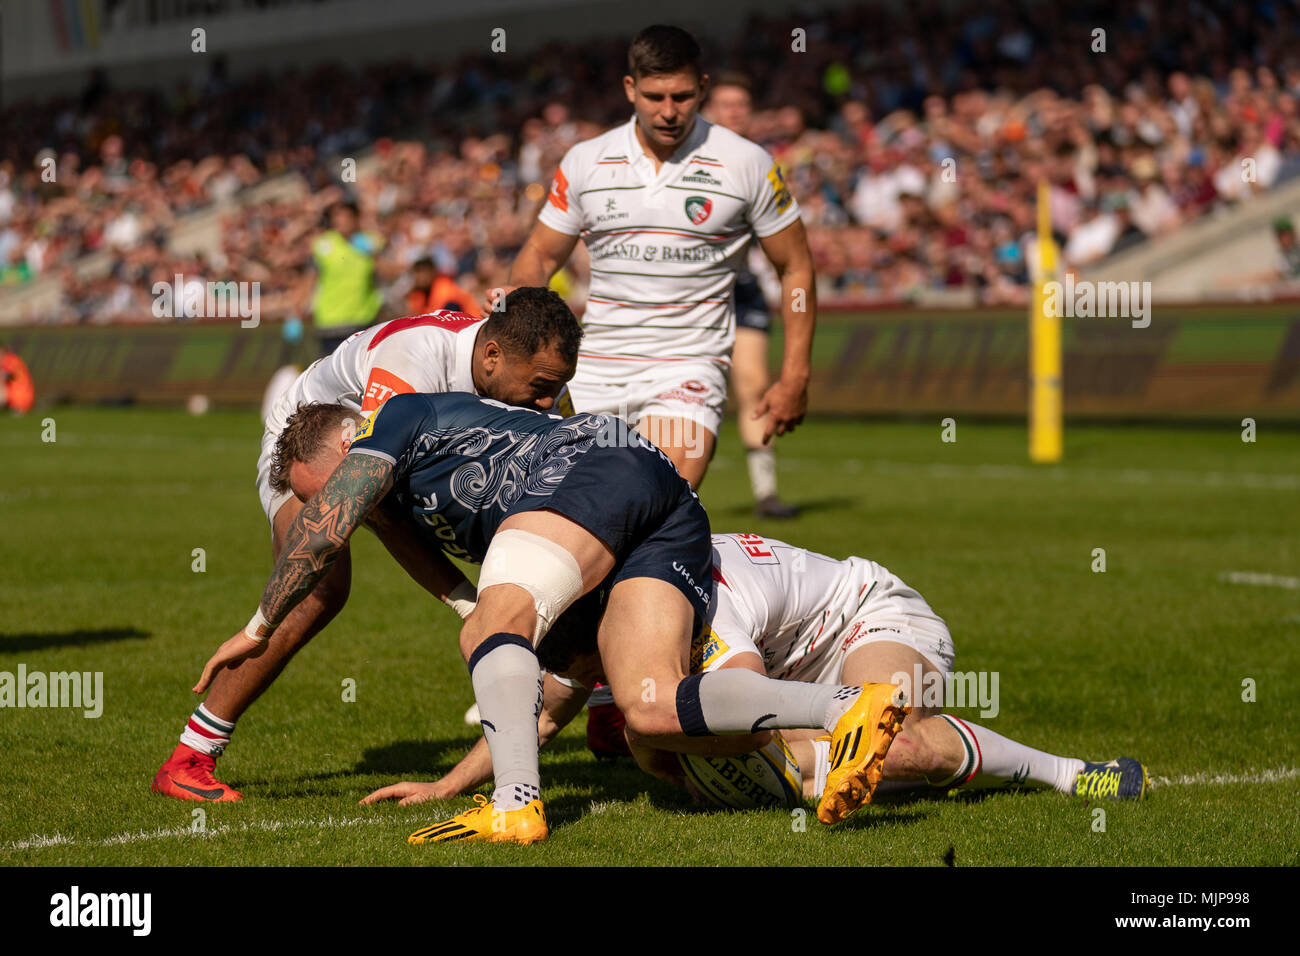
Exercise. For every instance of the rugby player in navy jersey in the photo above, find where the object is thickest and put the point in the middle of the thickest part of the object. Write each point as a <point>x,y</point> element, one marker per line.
<point>552,508</point>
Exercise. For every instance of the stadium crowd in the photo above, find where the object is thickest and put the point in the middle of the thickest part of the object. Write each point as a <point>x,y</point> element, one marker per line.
<point>912,140</point>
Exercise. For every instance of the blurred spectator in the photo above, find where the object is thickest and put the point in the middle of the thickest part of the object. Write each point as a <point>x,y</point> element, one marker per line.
<point>432,291</point>
<point>913,136</point>
<point>346,298</point>
<point>1288,250</point>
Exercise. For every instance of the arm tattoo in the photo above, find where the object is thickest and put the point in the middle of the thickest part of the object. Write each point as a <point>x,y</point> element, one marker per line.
<point>322,530</point>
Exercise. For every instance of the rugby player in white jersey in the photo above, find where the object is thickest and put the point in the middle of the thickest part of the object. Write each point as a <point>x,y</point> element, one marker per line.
<point>793,614</point>
<point>522,355</point>
<point>667,204</point>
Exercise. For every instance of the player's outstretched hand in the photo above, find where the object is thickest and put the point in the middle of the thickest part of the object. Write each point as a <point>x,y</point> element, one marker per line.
<point>410,792</point>
<point>232,652</point>
<point>784,404</point>
<point>495,294</point>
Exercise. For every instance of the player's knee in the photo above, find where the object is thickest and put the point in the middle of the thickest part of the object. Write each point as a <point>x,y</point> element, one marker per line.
<point>648,715</point>
<point>482,623</point>
<point>526,582</point>
<point>748,386</point>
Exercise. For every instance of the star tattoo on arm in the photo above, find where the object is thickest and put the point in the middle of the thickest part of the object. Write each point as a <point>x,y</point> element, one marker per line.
<point>322,529</point>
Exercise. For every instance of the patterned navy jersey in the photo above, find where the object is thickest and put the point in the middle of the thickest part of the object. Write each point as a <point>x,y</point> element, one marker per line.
<point>461,462</point>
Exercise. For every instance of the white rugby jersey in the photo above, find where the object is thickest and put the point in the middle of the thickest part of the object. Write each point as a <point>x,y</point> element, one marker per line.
<point>420,353</point>
<point>792,606</point>
<point>665,247</point>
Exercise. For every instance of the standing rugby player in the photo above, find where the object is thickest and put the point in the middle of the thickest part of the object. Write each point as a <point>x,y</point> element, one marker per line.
<point>731,105</point>
<point>521,356</point>
<point>667,204</point>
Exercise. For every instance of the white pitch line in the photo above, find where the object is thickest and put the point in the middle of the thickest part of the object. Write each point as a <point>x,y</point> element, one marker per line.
<point>38,842</point>
<point>1263,580</point>
<point>1227,779</point>
<point>266,826</point>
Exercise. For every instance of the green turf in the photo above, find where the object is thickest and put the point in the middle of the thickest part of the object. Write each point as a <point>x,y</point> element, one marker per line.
<point>1146,659</point>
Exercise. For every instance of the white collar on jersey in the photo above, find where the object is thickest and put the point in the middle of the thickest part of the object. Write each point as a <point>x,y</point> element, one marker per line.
<point>699,132</point>
<point>463,364</point>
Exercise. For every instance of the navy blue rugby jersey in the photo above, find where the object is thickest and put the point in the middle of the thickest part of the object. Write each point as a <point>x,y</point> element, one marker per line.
<point>461,462</point>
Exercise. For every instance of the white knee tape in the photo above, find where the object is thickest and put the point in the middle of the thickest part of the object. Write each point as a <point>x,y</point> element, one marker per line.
<point>538,565</point>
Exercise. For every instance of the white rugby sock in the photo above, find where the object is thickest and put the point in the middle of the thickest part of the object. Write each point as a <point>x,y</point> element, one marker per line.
<point>206,732</point>
<point>508,687</point>
<point>992,760</point>
<point>762,472</point>
<point>821,764</point>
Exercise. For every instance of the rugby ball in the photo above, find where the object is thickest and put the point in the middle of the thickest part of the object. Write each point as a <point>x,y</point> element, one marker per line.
<point>768,777</point>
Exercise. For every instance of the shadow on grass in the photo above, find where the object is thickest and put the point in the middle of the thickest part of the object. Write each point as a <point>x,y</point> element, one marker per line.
<point>33,641</point>
<point>746,509</point>
<point>575,781</point>
<point>565,763</point>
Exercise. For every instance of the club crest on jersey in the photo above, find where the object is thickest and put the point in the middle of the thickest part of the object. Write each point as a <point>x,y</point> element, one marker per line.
<point>698,208</point>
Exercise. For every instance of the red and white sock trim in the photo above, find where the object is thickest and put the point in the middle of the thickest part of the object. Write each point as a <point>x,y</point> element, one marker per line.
<point>973,758</point>
<point>206,732</point>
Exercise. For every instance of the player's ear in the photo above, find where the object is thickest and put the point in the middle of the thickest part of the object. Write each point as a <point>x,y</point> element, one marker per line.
<point>704,85</point>
<point>629,87</point>
<point>492,356</point>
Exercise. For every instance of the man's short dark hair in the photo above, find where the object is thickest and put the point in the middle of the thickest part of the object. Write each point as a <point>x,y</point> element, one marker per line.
<point>732,78</point>
<point>535,318</point>
<point>662,49</point>
<point>304,435</point>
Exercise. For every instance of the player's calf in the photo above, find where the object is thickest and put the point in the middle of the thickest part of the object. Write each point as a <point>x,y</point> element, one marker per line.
<point>925,750</point>
<point>530,576</point>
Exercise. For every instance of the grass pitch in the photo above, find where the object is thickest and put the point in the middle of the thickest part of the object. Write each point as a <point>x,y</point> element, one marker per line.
<point>1147,658</point>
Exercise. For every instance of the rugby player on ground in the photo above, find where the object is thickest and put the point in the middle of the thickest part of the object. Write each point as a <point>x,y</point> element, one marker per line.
<point>798,615</point>
<point>552,508</point>
<point>522,356</point>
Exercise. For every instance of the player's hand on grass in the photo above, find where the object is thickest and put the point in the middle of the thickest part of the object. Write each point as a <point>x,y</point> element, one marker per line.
<point>411,792</point>
<point>493,295</point>
<point>236,649</point>
<point>784,404</point>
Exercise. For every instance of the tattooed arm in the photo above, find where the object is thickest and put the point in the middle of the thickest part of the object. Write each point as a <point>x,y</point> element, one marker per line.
<point>319,532</point>
<point>322,530</point>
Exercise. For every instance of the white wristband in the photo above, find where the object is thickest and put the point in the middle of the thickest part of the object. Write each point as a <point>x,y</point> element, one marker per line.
<point>462,599</point>
<point>258,629</point>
